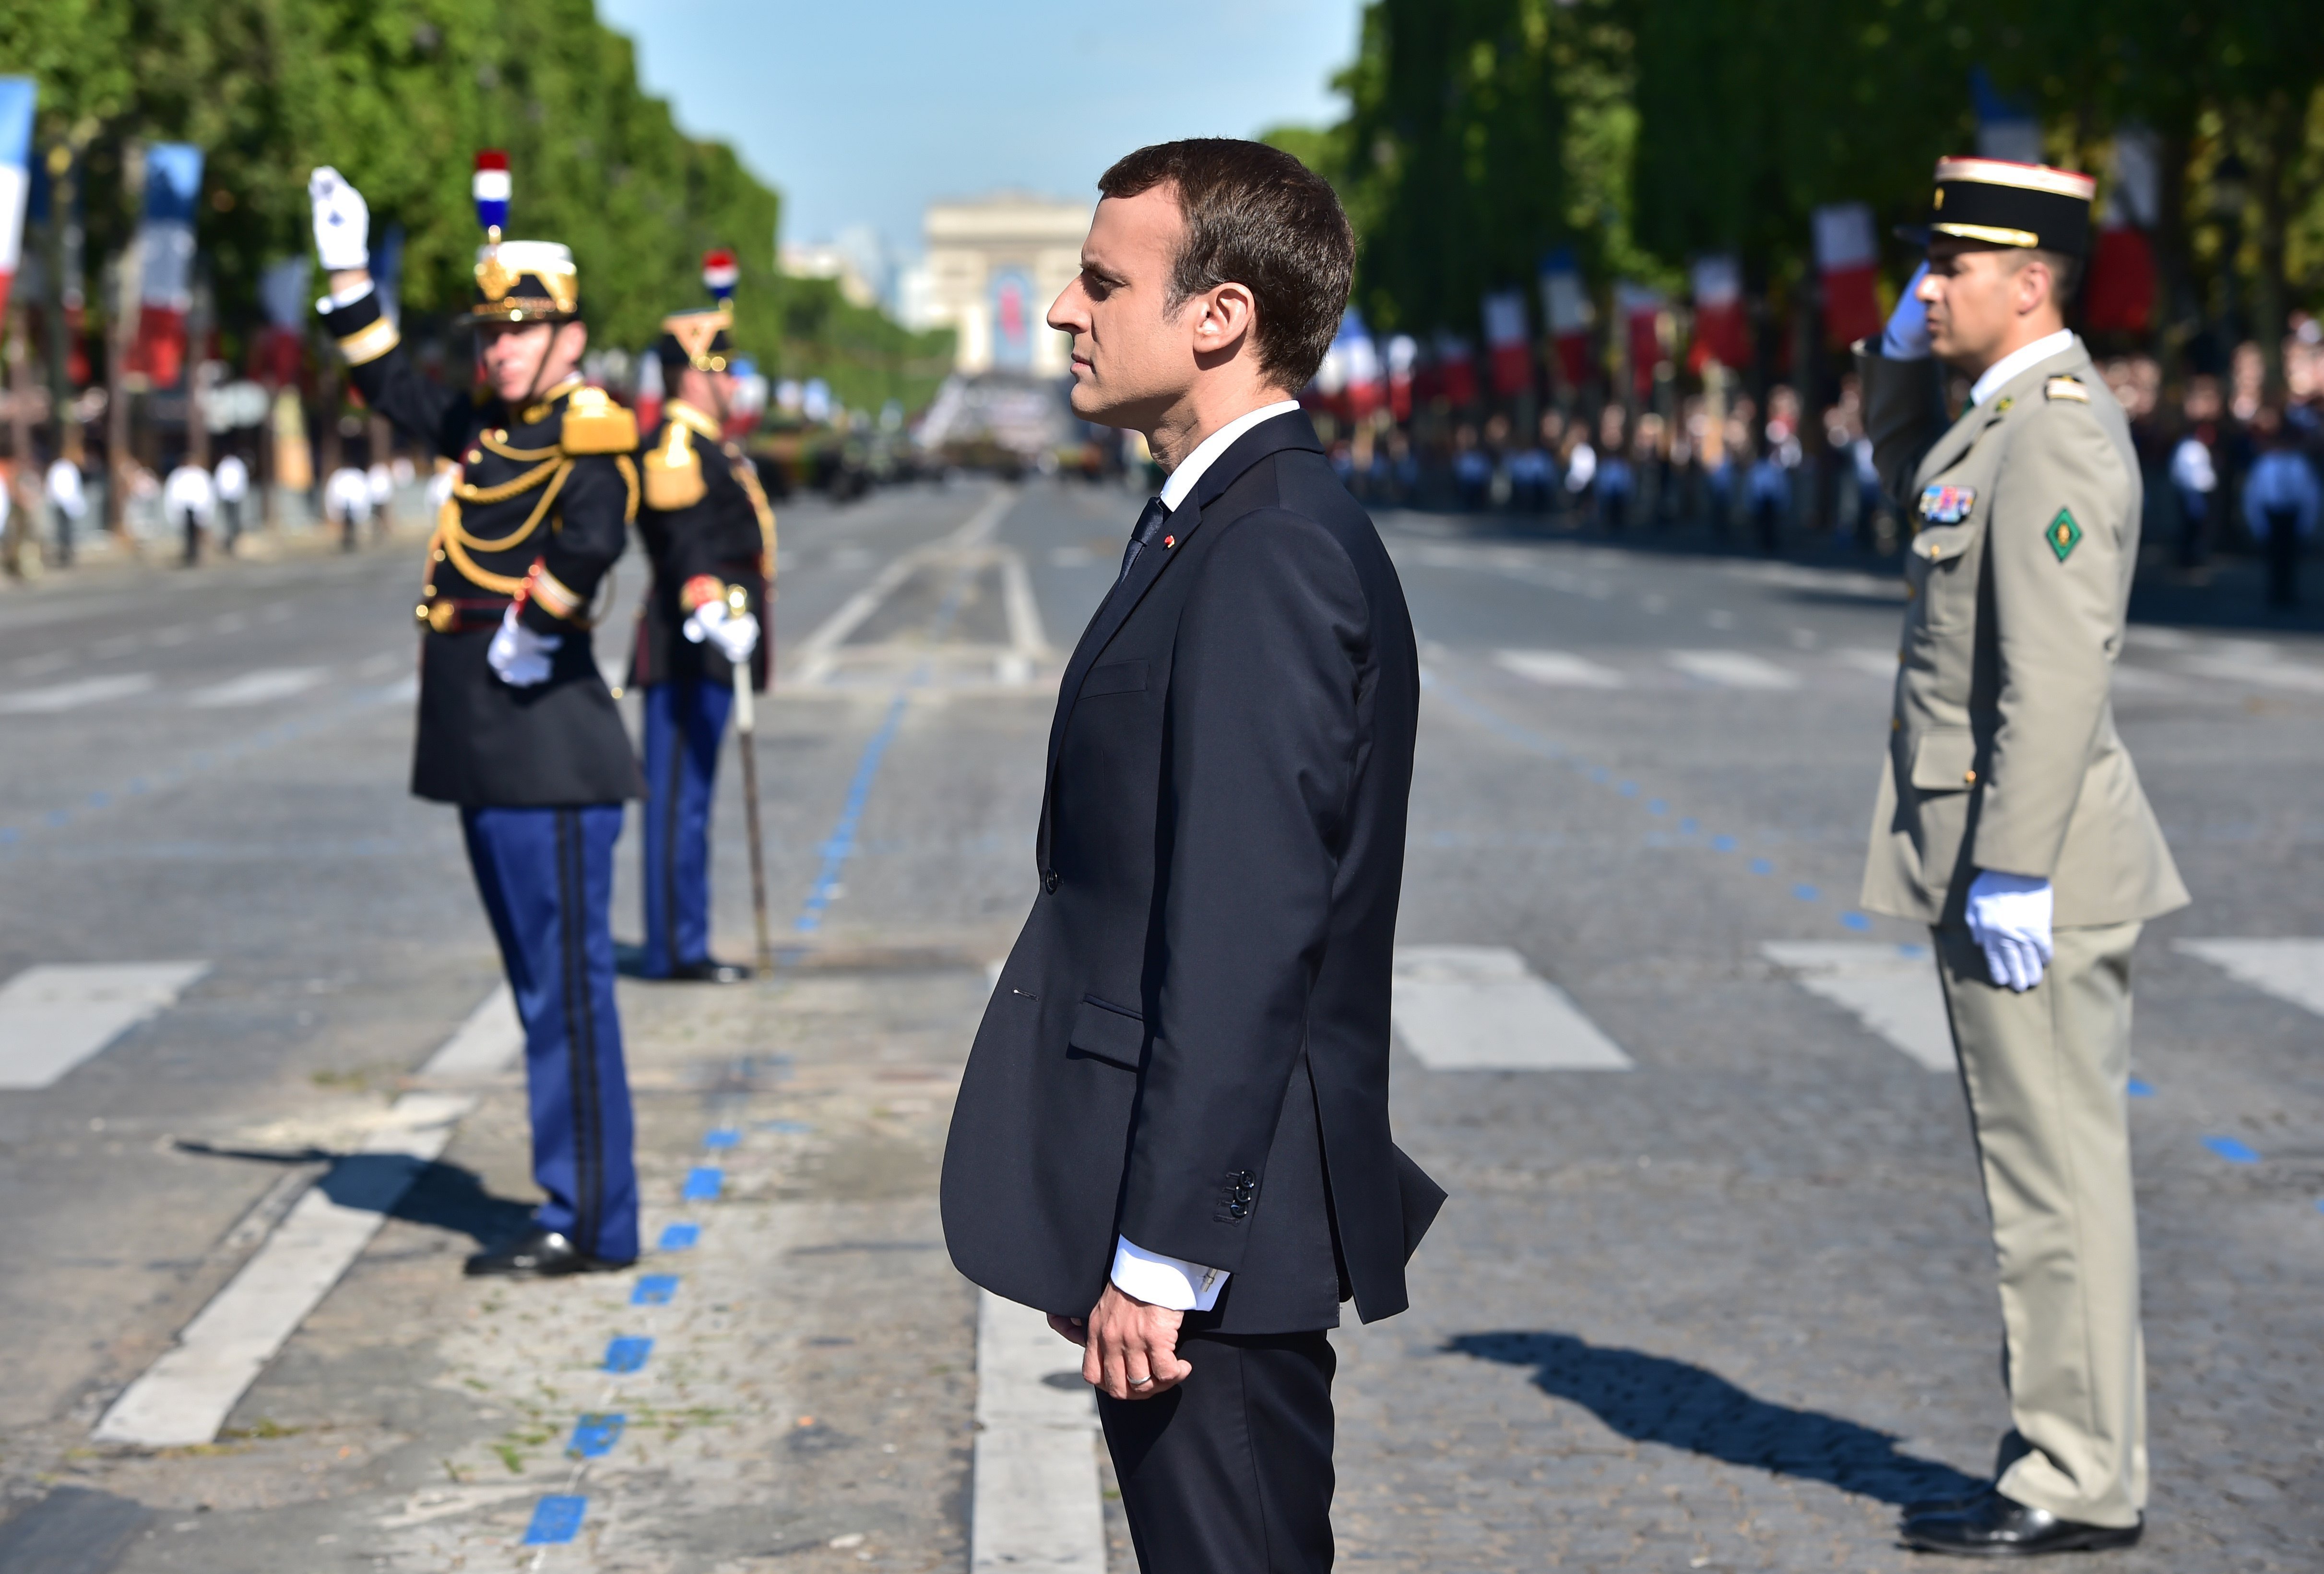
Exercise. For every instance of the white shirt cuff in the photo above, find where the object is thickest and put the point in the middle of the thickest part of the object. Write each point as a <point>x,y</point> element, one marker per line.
<point>346,298</point>
<point>1171,1282</point>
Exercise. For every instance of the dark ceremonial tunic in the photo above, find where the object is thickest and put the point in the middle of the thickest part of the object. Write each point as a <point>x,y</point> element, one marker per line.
<point>704,514</point>
<point>553,482</point>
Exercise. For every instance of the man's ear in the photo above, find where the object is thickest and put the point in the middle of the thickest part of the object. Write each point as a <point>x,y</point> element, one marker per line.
<point>1225,317</point>
<point>2035,285</point>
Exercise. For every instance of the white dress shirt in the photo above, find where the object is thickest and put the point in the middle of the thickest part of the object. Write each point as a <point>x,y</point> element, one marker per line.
<point>2017,360</point>
<point>1173,1282</point>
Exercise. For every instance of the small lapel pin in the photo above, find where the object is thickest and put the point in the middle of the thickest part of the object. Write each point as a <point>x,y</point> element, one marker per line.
<point>1169,541</point>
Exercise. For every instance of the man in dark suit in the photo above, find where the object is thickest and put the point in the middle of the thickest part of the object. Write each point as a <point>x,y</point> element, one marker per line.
<point>1173,1133</point>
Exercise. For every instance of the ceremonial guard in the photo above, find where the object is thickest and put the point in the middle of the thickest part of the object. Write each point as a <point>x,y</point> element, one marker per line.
<point>516,726</point>
<point>710,535</point>
<point>2011,821</point>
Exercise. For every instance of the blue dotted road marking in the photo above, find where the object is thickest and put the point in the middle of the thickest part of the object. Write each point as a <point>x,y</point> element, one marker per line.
<point>595,1435</point>
<point>703,1183</point>
<point>628,1353</point>
<point>1762,866</point>
<point>789,1129</point>
<point>724,1137</point>
<point>1855,921</point>
<point>676,1238</point>
<point>555,1520</point>
<point>2232,1150</point>
<point>2140,1088</point>
<point>655,1290</point>
<point>1807,892</point>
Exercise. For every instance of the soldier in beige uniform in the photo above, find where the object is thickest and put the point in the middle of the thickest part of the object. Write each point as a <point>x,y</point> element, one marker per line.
<point>2011,821</point>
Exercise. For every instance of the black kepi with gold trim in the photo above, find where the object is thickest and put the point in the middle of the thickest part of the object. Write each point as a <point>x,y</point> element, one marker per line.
<point>1998,202</point>
<point>702,336</point>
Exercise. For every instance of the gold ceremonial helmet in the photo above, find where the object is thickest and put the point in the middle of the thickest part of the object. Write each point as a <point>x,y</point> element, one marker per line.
<point>525,281</point>
<point>701,336</point>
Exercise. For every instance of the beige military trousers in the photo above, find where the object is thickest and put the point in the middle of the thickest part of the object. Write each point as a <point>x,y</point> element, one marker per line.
<point>2047,1073</point>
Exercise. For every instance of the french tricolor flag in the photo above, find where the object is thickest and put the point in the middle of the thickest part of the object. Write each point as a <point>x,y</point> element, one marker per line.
<point>491,187</point>
<point>1847,258</point>
<point>165,249</point>
<point>16,97</point>
<point>1565,302</point>
<point>1721,332</point>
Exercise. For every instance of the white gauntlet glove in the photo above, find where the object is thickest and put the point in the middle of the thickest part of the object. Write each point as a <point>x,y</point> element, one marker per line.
<point>519,655</point>
<point>2009,919</point>
<point>1906,336</point>
<point>735,634</point>
<point>342,222</point>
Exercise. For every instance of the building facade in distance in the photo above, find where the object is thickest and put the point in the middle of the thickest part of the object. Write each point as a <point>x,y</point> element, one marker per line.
<point>994,263</point>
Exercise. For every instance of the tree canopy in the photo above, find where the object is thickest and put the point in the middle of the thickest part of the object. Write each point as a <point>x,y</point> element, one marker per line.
<point>398,95</point>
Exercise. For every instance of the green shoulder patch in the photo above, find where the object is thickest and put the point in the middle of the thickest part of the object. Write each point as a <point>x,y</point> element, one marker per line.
<point>2063,535</point>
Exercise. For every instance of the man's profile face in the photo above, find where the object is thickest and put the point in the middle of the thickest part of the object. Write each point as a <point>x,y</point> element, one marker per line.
<point>520,359</point>
<point>1975,295</point>
<point>1131,358</point>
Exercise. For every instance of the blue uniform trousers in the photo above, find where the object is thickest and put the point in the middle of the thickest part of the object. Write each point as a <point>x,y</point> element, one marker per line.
<point>546,878</point>
<point>686,717</point>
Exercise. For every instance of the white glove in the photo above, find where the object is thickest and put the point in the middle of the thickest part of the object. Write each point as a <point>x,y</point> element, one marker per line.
<point>735,634</point>
<point>342,222</point>
<point>2009,918</point>
<point>1906,336</point>
<point>520,654</point>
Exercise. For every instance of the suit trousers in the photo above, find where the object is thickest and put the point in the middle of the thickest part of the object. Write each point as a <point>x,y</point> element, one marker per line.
<point>2047,1074</point>
<point>1230,1471</point>
<point>686,719</point>
<point>547,879</point>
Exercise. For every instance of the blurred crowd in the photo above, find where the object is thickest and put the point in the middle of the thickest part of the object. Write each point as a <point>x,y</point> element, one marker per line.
<point>2226,470</point>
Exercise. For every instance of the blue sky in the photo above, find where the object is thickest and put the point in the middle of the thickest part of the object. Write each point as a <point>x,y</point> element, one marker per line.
<point>862,113</point>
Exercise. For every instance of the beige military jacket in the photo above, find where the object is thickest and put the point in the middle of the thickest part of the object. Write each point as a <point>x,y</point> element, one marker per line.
<point>2002,748</point>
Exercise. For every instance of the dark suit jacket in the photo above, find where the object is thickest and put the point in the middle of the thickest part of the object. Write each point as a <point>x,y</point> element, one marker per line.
<point>1189,1044</point>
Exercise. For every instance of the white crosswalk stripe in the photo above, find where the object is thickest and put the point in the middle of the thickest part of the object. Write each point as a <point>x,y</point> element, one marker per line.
<point>72,696</point>
<point>52,1018</point>
<point>1734,670</point>
<point>2291,970</point>
<point>1479,1008</point>
<point>1559,669</point>
<point>258,687</point>
<point>1892,989</point>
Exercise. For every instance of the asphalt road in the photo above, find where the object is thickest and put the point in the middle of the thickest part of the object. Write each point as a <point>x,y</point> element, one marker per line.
<point>1722,1310</point>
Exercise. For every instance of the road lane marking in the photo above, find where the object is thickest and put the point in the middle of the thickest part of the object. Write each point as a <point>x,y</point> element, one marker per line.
<point>257,688</point>
<point>2290,969</point>
<point>54,1017</point>
<point>2254,663</point>
<point>1892,989</point>
<point>482,1046</point>
<point>1734,670</point>
<point>818,654</point>
<point>1869,661</point>
<point>555,1520</point>
<point>185,1396</point>
<point>1479,1008</point>
<point>80,691</point>
<point>1558,669</point>
<point>1035,1499</point>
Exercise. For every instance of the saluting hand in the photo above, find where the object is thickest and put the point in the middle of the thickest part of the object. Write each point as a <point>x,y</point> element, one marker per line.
<point>1129,1348</point>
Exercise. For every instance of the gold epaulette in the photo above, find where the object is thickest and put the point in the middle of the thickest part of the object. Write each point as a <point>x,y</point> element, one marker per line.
<point>2068,388</point>
<point>595,424</point>
<point>673,469</point>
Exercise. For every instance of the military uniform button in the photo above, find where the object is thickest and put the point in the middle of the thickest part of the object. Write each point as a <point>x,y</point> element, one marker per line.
<point>1049,881</point>
<point>1968,778</point>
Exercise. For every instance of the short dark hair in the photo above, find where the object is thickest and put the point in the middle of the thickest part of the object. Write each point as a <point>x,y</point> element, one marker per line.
<point>1258,218</point>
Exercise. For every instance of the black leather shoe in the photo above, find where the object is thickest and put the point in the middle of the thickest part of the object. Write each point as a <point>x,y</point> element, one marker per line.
<point>539,1253</point>
<point>1994,1526</point>
<point>709,971</point>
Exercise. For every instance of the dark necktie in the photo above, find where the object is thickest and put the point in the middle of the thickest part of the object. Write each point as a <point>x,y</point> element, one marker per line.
<point>1149,531</point>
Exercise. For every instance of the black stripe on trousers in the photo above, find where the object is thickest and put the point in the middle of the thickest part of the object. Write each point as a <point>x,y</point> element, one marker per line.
<point>669,835</point>
<point>580,1030</point>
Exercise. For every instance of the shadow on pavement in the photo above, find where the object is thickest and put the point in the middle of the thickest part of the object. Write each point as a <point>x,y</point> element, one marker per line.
<point>71,1530</point>
<point>440,1195</point>
<point>1653,1399</point>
